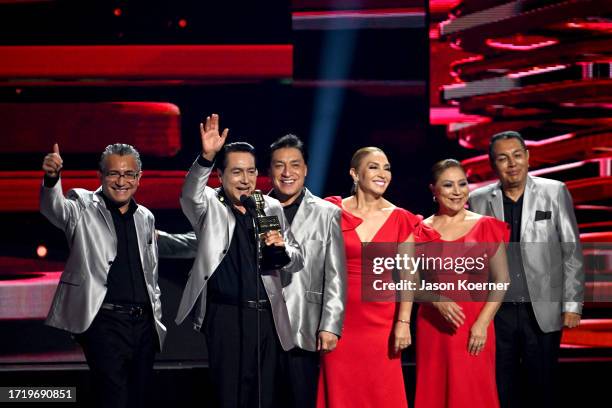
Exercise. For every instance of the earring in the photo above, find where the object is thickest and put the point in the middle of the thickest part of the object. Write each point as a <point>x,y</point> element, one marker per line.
<point>433,198</point>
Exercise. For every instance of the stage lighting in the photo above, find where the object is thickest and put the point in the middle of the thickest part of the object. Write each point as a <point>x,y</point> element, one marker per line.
<point>41,251</point>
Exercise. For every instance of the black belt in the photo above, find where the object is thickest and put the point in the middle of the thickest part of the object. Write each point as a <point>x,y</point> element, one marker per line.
<point>132,310</point>
<point>514,304</point>
<point>256,304</point>
<point>263,304</point>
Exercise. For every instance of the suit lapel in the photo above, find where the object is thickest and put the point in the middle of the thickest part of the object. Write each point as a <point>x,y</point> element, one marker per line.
<point>231,220</point>
<point>139,223</point>
<point>529,198</point>
<point>106,215</point>
<point>231,224</point>
<point>496,204</point>
<point>302,213</point>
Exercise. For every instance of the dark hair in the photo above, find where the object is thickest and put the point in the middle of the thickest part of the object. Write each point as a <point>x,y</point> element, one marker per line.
<point>358,157</point>
<point>289,141</point>
<point>120,149</point>
<point>508,134</point>
<point>441,166</point>
<point>221,159</point>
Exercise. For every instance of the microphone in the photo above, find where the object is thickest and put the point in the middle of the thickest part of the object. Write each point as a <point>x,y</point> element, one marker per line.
<point>250,205</point>
<point>247,201</point>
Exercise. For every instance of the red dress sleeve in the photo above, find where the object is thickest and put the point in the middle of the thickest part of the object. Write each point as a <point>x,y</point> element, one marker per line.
<point>413,224</point>
<point>334,200</point>
<point>493,232</point>
<point>349,221</point>
<point>497,231</point>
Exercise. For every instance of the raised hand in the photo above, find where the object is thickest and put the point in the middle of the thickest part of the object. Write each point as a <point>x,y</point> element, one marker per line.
<point>52,164</point>
<point>212,141</point>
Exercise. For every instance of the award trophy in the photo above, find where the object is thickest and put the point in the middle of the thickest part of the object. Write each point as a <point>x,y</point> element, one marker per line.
<point>272,257</point>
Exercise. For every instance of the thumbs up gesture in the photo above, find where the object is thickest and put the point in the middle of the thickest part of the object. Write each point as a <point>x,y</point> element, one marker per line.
<point>52,164</point>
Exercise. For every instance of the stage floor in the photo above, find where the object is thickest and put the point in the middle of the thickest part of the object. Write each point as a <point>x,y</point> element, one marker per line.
<point>585,384</point>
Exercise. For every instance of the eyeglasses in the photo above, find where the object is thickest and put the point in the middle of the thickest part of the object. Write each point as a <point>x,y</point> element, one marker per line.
<point>518,155</point>
<point>116,175</point>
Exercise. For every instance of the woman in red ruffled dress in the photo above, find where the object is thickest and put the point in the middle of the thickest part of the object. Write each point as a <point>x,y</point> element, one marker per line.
<point>455,338</point>
<point>365,368</point>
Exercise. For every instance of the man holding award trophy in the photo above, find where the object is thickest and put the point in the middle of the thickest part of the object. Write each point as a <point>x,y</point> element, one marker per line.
<point>234,290</point>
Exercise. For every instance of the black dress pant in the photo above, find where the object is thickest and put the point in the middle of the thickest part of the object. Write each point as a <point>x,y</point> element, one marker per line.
<point>526,359</point>
<point>231,337</point>
<point>120,351</point>
<point>301,377</point>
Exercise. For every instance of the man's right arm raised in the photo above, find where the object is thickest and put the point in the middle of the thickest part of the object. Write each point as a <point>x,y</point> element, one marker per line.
<point>193,196</point>
<point>53,205</point>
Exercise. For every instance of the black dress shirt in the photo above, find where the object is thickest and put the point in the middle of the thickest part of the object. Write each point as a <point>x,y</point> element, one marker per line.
<point>235,280</point>
<point>125,282</point>
<point>291,209</point>
<point>513,214</point>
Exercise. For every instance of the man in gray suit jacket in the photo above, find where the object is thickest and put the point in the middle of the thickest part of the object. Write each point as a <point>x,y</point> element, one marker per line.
<point>241,311</point>
<point>108,294</point>
<point>315,296</point>
<point>546,270</point>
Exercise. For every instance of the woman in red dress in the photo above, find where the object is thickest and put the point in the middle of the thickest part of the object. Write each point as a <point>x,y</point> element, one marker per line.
<point>365,368</point>
<point>455,340</point>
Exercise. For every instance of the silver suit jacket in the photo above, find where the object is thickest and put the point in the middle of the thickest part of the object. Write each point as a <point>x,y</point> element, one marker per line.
<point>316,295</point>
<point>550,247</point>
<point>90,232</point>
<point>213,222</point>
